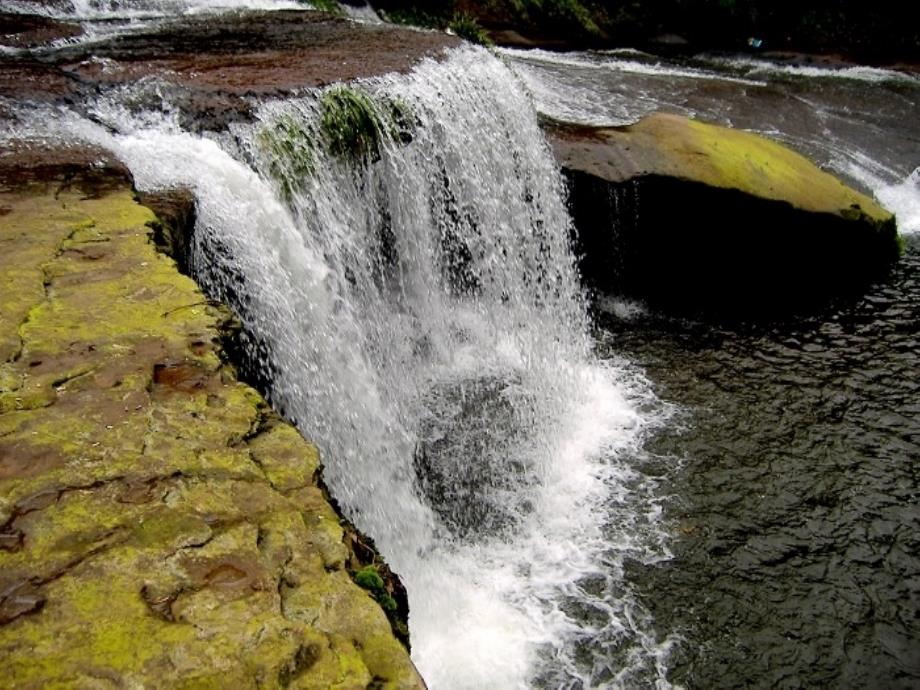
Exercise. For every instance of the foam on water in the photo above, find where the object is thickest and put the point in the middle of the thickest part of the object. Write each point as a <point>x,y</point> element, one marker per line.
<point>419,315</point>
<point>566,98</point>
<point>901,197</point>
<point>616,63</point>
<point>604,89</point>
<point>754,67</point>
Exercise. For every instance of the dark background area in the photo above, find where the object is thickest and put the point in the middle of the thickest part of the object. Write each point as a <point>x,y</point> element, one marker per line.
<point>883,31</point>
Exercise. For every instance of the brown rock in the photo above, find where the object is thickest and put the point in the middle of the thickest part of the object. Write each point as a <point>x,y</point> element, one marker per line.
<point>702,218</point>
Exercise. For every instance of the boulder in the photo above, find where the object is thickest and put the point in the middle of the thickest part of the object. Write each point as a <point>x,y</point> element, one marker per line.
<point>700,217</point>
<point>160,526</point>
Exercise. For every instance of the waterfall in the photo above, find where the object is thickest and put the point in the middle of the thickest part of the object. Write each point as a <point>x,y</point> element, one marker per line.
<point>411,302</point>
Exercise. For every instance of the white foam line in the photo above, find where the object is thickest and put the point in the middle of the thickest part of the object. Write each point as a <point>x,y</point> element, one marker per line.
<point>616,64</point>
<point>755,67</point>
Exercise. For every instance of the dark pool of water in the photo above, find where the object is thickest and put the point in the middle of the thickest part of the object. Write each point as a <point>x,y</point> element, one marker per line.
<point>795,504</point>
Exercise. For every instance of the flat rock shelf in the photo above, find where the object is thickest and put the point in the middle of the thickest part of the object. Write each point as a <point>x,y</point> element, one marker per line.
<point>161,526</point>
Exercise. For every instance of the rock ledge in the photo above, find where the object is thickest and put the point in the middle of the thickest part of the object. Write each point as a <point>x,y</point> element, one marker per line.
<point>160,526</point>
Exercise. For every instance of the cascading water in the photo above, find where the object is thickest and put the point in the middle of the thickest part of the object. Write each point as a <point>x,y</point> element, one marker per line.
<point>430,333</point>
<point>133,9</point>
<point>413,306</point>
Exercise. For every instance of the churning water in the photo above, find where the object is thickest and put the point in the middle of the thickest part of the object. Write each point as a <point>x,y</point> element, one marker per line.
<point>414,307</point>
<point>795,507</point>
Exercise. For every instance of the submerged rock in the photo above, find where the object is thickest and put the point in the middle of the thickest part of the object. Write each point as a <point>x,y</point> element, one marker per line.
<point>701,217</point>
<point>160,526</point>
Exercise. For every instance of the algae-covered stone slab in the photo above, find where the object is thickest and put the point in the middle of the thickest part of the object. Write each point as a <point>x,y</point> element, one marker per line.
<point>694,215</point>
<point>674,146</point>
<point>159,525</point>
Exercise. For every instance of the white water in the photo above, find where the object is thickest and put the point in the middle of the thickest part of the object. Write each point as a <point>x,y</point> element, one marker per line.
<point>527,436</point>
<point>900,197</point>
<point>753,67</point>
<point>582,87</point>
<point>137,9</point>
<point>428,300</point>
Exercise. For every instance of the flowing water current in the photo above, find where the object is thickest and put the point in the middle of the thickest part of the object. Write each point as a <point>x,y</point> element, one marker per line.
<point>626,501</point>
<point>794,503</point>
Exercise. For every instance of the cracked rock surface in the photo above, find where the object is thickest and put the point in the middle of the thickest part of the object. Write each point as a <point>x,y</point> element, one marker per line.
<point>159,525</point>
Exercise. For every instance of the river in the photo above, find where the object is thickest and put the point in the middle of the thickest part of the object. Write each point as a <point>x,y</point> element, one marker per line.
<point>575,495</point>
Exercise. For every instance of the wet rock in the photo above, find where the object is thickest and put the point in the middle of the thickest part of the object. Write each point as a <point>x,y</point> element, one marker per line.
<point>214,65</point>
<point>699,217</point>
<point>465,469</point>
<point>32,31</point>
<point>18,599</point>
<point>176,214</point>
<point>159,525</point>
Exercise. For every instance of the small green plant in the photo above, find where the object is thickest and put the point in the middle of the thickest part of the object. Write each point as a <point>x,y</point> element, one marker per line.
<point>387,602</point>
<point>331,6</point>
<point>351,123</point>
<point>402,120</point>
<point>466,26</point>
<point>355,126</point>
<point>567,13</point>
<point>413,16</point>
<point>370,579</point>
<point>289,149</point>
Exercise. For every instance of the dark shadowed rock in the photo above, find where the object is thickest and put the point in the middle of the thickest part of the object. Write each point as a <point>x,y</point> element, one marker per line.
<point>32,31</point>
<point>700,217</point>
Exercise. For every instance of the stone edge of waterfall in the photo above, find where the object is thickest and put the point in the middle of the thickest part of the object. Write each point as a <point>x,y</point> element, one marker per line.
<point>160,523</point>
<point>708,220</point>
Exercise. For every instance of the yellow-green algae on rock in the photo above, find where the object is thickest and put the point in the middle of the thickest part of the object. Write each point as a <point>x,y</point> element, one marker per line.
<point>161,527</point>
<point>704,219</point>
<point>675,146</point>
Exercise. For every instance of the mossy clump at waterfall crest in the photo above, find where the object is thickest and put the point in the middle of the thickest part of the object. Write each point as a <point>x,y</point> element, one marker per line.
<point>288,145</point>
<point>354,125</point>
<point>466,26</point>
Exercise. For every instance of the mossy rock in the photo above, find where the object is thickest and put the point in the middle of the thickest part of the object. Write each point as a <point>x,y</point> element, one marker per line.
<point>355,124</point>
<point>159,525</point>
<point>706,218</point>
<point>288,146</point>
